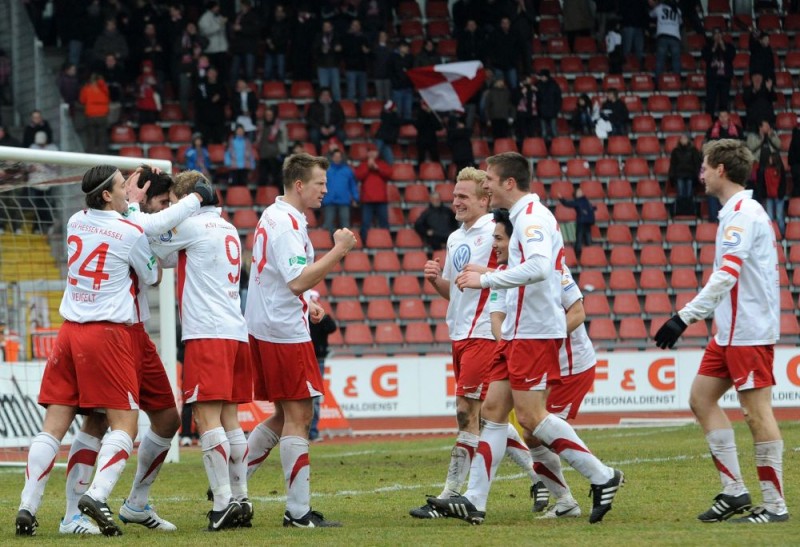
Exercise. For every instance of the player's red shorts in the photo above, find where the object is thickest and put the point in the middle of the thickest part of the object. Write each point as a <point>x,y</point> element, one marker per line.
<point>155,391</point>
<point>91,366</point>
<point>217,369</point>
<point>564,399</point>
<point>472,359</point>
<point>533,364</point>
<point>748,367</point>
<point>498,370</point>
<point>288,372</point>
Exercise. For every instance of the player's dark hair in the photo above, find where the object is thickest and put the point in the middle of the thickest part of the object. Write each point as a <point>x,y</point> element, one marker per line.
<point>734,155</point>
<point>160,183</point>
<point>512,165</point>
<point>298,167</point>
<point>501,216</point>
<point>95,180</point>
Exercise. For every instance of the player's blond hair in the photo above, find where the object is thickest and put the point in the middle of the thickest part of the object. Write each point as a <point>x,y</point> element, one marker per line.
<point>477,176</point>
<point>734,155</point>
<point>299,166</point>
<point>183,183</point>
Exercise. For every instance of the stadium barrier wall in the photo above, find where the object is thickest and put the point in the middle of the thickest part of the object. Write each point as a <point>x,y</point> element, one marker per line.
<point>405,387</point>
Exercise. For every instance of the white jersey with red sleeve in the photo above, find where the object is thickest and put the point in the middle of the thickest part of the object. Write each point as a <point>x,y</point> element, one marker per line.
<point>467,313</point>
<point>155,224</point>
<point>209,267</point>
<point>281,251</point>
<point>576,354</point>
<point>743,293</point>
<point>108,256</point>
<point>533,275</point>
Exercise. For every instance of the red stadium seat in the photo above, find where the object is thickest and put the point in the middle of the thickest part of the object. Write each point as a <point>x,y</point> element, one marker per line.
<point>419,333</point>
<point>179,133</point>
<point>379,238</point>
<point>375,286</point>
<point>417,193</point>
<point>548,169</point>
<point>623,257</point>
<point>296,131</point>
<point>625,212</point>
<point>577,169</point>
<point>652,279</point>
<point>613,81</point>
<point>561,189</point>
<point>573,65</point>
<point>596,304</point>
<point>673,123</point>
<point>648,233</point>
<point>301,90</point>
<point>606,168</point>
<point>562,147</point>
<point>602,329</point>
<point>789,325</point>
<point>288,110</point>
<point>682,255</point>
<point>688,103</point>
<point>438,308</point>
<point>403,172</point>
<point>131,152</point>
<point>273,91</point>
<point>357,262</point>
<point>122,134</point>
<point>657,303</point>
<point>619,145</point>
<point>386,261</point>
<point>245,219</point>
<point>632,328</point>
<point>670,83</point>
<point>411,309</point>
<point>706,232</point>
<point>349,310</point>
<point>431,171</point>
<point>505,145</point>
<point>642,83</point>
<point>265,195</point>
<point>654,211</point>
<point>648,189</point>
<point>678,233</point>
<point>344,287</point>
<point>622,280</point>
<point>659,103</point>
<point>354,130</point>
<point>598,65</point>
<point>534,147</point>
<point>619,234</point>
<point>619,189</point>
<point>648,146</point>
<point>407,238</point>
<point>320,239</point>
<point>480,149</point>
<point>357,335</point>
<point>585,45</point>
<point>160,153</point>
<point>593,189</point>
<point>653,256</point>
<point>593,257</point>
<point>565,214</point>
<point>699,123</point>
<point>644,123</point>
<point>683,278</point>
<point>585,84</point>
<point>707,253</point>
<point>406,285</point>
<point>590,147</point>
<point>381,310</point>
<point>636,168</point>
<point>438,29</point>
<point>591,280</point>
<point>388,333</point>
<point>238,196</point>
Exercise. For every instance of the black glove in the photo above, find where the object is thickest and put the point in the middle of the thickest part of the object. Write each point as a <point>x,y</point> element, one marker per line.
<point>669,332</point>
<point>206,191</point>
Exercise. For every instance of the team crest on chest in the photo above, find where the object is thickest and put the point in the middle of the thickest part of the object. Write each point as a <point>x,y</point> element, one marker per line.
<point>461,256</point>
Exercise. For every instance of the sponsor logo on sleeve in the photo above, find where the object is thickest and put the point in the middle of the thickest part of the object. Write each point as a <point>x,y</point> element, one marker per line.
<point>166,237</point>
<point>297,260</point>
<point>732,236</point>
<point>493,297</point>
<point>151,263</point>
<point>534,233</point>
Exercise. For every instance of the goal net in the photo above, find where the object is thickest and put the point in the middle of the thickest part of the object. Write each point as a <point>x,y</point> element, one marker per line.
<point>39,191</point>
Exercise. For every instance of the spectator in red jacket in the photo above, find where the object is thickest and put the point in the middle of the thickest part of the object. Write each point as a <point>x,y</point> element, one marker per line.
<point>374,176</point>
<point>148,100</point>
<point>94,97</point>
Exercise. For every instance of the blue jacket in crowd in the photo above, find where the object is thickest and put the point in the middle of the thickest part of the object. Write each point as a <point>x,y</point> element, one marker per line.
<point>342,186</point>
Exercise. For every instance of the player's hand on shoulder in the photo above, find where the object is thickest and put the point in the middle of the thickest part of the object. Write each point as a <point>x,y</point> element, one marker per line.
<point>344,238</point>
<point>432,269</point>
<point>132,190</point>
<point>205,190</point>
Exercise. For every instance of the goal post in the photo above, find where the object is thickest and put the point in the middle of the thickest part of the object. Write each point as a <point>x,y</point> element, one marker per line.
<point>39,191</point>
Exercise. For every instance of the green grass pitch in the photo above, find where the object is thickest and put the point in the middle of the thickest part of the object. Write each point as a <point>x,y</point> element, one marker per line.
<point>371,485</point>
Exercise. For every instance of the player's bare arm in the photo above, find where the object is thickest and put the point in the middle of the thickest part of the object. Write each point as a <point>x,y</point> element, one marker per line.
<point>344,240</point>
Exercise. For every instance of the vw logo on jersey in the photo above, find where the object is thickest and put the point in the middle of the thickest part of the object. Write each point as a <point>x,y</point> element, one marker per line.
<point>461,256</point>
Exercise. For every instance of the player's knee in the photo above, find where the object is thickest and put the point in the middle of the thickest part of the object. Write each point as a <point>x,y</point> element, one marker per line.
<point>465,419</point>
<point>165,424</point>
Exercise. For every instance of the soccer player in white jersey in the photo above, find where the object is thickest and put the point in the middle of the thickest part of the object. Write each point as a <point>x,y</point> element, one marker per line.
<point>278,309</point>
<point>92,365</point>
<point>743,295</point>
<point>152,189</point>
<point>527,355</point>
<point>470,330</point>
<point>217,370</point>
<point>577,360</point>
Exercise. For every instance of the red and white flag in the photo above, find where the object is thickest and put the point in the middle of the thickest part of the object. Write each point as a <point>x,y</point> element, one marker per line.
<point>448,86</point>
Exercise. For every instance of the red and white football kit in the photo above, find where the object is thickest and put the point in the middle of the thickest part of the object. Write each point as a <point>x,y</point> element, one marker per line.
<point>217,357</point>
<point>576,356</point>
<point>743,294</point>
<point>155,391</point>
<point>468,313</point>
<point>277,319</point>
<point>535,324</point>
<point>92,364</point>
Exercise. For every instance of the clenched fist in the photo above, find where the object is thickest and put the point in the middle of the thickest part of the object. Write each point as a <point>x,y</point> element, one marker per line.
<point>344,238</point>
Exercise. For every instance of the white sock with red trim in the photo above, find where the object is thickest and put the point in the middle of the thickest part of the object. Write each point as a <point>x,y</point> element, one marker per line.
<point>722,444</point>
<point>150,456</point>
<point>41,458</point>
<point>769,463</point>
<point>237,463</point>
<point>297,474</point>
<point>80,464</point>
<point>559,436</point>
<point>488,455</point>
<point>548,470</point>
<point>517,450</point>
<point>259,444</point>
<point>216,449</point>
<point>114,453</point>
<point>460,461</point>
